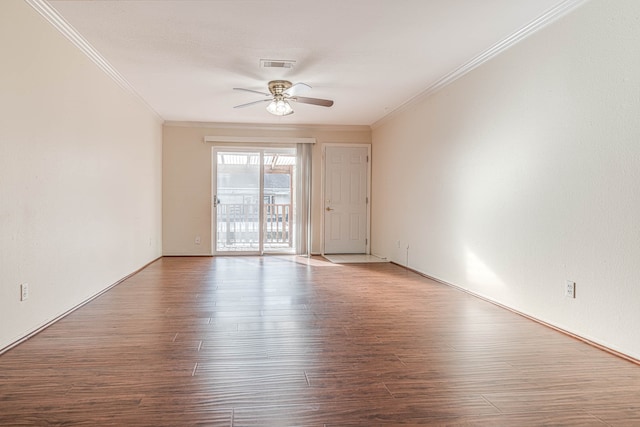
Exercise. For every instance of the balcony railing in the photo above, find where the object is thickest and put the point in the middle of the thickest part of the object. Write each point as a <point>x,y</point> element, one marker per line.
<point>277,227</point>
<point>238,226</point>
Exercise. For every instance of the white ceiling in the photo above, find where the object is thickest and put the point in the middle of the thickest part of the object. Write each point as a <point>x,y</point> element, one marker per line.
<point>183,57</point>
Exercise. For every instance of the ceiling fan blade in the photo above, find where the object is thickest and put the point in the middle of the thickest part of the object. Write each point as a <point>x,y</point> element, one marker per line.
<point>314,101</point>
<point>296,89</point>
<point>252,103</point>
<point>252,91</point>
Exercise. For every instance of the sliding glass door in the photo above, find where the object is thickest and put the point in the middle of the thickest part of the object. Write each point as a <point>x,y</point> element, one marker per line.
<point>253,198</point>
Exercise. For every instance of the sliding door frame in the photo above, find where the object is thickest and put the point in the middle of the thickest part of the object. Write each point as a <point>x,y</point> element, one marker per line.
<point>262,150</point>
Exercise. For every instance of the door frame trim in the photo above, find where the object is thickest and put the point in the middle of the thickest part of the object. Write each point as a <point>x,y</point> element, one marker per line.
<point>323,174</point>
<point>261,148</point>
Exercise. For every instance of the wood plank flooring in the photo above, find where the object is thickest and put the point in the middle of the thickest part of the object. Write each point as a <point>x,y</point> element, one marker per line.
<point>289,341</point>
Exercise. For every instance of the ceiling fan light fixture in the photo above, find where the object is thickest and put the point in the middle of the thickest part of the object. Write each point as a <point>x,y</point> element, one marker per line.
<point>280,107</point>
<point>281,92</point>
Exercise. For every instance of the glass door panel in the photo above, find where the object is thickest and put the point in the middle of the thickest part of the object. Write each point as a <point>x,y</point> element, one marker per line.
<point>279,212</point>
<point>238,204</point>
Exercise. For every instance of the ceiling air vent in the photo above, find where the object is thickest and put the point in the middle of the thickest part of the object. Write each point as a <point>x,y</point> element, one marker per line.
<point>276,63</point>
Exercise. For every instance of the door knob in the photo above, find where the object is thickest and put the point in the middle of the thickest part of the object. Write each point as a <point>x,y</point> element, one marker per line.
<point>329,209</point>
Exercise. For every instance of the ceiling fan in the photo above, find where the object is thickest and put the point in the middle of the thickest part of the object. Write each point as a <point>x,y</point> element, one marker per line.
<point>281,93</point>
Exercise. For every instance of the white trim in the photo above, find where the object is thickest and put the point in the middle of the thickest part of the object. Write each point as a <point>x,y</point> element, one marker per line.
<point>323,174</point>
<point>213,192</point>
<point>269,127</point>
<point>67,30</point>
<point>260,139</point>
<point>545,19</point>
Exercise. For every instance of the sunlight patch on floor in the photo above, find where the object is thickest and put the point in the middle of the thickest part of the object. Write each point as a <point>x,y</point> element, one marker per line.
<point>354,258</point>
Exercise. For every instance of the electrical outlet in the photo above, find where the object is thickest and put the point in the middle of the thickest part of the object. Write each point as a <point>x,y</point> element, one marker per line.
<point>198,240</point>
<point>570,289</point>
<point>24,291</point>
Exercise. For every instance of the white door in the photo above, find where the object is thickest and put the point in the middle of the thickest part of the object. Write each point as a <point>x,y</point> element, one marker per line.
<point>345,202</point>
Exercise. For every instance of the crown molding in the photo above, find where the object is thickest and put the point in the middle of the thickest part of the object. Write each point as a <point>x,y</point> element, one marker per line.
<point>67,30</point>
<point>542,21</point>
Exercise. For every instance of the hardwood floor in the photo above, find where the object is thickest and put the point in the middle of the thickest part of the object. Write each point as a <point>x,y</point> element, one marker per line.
<point>286,341</point>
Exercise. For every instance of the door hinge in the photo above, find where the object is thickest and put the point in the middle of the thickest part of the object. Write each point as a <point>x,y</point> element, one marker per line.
<point>366,200</point>
<point>367,159</point>
<point>366,241</point>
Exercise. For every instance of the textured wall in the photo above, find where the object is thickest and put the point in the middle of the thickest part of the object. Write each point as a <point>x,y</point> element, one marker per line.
<point>80,175</point>
<point>524,174</point>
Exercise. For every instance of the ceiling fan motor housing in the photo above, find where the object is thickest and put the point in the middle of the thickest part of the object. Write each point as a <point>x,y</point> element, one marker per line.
<point>277,87</point>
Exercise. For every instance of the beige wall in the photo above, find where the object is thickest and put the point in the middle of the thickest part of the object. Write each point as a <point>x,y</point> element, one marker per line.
<point>187,177</point>
<point>524,174</point>
<point>80,175</point>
